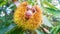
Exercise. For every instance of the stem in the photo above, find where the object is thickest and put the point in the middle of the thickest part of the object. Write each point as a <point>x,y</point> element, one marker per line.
<point>44,29</point>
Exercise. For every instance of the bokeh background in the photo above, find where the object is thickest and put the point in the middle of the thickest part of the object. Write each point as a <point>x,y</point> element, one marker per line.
<point>50,21</point>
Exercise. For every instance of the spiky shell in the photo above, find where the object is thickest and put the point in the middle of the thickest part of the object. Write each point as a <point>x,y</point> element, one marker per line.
<point>32,23</point>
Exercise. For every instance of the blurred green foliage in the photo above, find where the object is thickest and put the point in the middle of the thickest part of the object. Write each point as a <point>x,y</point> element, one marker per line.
<point>51,18</point>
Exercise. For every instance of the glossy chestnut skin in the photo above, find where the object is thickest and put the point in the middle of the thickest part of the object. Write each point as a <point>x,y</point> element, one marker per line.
<point>30,11</point>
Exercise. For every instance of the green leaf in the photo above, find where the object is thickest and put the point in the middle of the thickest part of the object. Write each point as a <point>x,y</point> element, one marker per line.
<point>55,30</point>
<point>53,11</point>
<point>54,15</point>
<point>46,21</point>
<point>39,32</point>
<point>4,29</point>
<point>15,30</point>
<point>3,3</point>
<point>49,4</point>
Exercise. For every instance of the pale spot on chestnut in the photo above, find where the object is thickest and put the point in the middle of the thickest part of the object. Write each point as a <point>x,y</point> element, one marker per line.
<point>30,11</point>
<point>29,7</point>
<point>33,9</point>
<point>28,14</point>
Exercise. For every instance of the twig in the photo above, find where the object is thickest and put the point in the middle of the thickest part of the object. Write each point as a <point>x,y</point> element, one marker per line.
<point>45,30</point>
